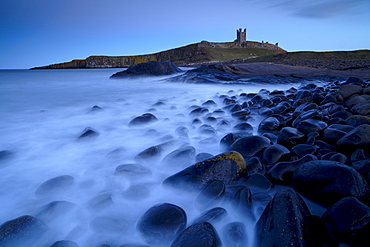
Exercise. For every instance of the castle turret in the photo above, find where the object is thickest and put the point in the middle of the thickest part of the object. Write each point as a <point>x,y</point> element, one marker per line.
<point>241,36</point>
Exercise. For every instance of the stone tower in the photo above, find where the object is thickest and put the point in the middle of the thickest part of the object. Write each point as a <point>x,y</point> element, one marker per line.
<point>241,36</point>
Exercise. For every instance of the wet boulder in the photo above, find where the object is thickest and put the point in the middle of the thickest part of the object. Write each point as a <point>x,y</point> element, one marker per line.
<point>235,234</point>
<point>242,203</point>
<point>361,108</point>
<point>210,195</point>
<point>282,172</point>
<point>289,136</point>
<point>273,153</point>
<point>22,232</point>
<point>212,216</point>
<point>348,90</point>
<point>226,167</point>
<point>269,125</point>
<point>65,243</point>
<point>327,182</point>
<point>132,171</point>
<point>161,223</point>
<point>359,137</point>
<point>200,234</point>
<point>181,156</point>
<point>357,120</point>
<point>310,125</point>
<point>54,210</point>
<point>146,118</point>
<point>348,221</point>
<point>250,145</point>
<point>336,131</point>
<point>228,140</point>
<point>54,185</point>
<point>151,68</point>
<point>257,183</point>
<point>285,221</point>
<point>88,133</point>
<point>303,149</point>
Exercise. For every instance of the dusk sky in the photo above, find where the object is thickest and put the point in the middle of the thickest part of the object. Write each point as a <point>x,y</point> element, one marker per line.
<point>42,32</point>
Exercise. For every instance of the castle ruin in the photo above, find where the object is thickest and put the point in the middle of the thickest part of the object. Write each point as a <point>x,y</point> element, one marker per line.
<point>241,36</point>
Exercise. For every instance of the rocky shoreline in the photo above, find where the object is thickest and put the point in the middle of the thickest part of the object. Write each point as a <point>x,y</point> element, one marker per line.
<point>313,145</point>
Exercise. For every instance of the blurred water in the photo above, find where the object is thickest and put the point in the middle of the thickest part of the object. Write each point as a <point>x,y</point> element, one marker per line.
<point>42,114</point>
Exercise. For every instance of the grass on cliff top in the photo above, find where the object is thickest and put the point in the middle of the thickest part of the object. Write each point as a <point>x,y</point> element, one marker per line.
<point>310,55</point>
<point>220,54</point>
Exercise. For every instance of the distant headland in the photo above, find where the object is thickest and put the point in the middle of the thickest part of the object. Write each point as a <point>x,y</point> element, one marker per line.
<point>238,51</point>
<point>189,55</point>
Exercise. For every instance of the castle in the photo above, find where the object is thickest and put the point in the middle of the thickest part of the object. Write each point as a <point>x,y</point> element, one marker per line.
<point>241,36</point>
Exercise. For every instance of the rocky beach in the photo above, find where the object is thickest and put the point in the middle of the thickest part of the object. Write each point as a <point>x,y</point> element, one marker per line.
<point>292,167</point>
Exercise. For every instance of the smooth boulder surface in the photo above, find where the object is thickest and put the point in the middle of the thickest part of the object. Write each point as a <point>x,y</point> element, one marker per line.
<point>161,223</point>
<point>351,228</point>
<point>151,68</point>
<point>24,231</point>
<point>250,145</point>
<point>57,184</point>
<point>226,167</point>
<point>200,235</point>
<point>285,221</point>
<point>146,118</point>
<point>359,137</point>
<point>326,181</point>
<point>65,243</point>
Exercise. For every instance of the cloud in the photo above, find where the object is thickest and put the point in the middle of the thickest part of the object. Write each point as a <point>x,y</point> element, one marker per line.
<point>322,8</point>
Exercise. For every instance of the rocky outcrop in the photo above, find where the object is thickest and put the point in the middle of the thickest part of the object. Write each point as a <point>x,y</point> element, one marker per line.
<point>151,68</point>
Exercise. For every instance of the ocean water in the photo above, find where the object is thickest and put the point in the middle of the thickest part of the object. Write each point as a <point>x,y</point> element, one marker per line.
<point>43,112</point>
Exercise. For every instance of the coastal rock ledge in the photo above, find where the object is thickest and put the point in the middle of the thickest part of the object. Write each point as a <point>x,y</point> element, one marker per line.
<point>151,68</point>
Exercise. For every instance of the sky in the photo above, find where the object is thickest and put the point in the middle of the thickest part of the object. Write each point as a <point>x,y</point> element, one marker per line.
<point>42,32</point>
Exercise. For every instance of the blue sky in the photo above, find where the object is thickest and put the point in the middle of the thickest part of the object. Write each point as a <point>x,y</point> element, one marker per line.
<point>41,32</point>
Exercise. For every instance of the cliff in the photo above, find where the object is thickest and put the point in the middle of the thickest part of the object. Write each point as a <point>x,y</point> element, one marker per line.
<point>190,55</point>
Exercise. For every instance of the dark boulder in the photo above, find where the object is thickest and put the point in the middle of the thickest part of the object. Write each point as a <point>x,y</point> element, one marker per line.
<point>235,234</point>
<point>290,226</point>
<point>348,221</point>
<point>361,108</point>
<point>88,133</point>
<point>254,165</point>
<point>200,235</point>
<point>303,149</point>
<point>210,195</point>
<point>226,167</point>
<point>310,125</point>
<point>22,232</point>
<point>5,154</point>
<point>65,243</point>
<point>273,153</point>
<point>250,145</point>
<point>282,172</point>
<point>161,223</point>
<point>132,171</point>
<point>180,157</point>
<point>327,182</point>
<point>269,125</point>
<point>228,140</point>
<point>359,137</point>
<point>57,184</point>
<point>257,183</point>
<point>357,120</point>
<point>211,216</point>
<point>348,90</point>
<point>242,203</point>
<point>336,131</point>
<point>151,68</point>
<point>144,119</point>
<point>289,136</point>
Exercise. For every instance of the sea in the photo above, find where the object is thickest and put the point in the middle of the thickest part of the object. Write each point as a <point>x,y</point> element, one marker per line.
<point>44,112</point>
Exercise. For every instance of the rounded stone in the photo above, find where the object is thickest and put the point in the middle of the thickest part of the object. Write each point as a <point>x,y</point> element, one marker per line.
<point>57,184</point>
<point>144,119</point>
<point>161,223</point>
<point>250,145</point>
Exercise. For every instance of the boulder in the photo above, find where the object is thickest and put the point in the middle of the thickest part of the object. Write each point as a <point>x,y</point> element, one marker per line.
<point>282,172</point>
<point>144,119</point>
<point>310,125</point>
<point>303,149</point>
<point>326,182</point>
<point>65,243</point>
<point>226,167</point>
<point>200,234</point>
<point>357,120</point>
<point>348,90</point>
<point>242,203</point>
<point>210,195</point>
<point>359,137</point>
<point>181,156</point>
<point>161,223</point>
<point>88,133</point>
<point>235,234</point>
<point>57,184</point>
<point>151,68</point>
<point>132,171</point>
<point>289,136</point>
<point>361,108</point>
<point>250,145</point>
<point>269,125</point>
<point>273,153</point>
<point>212,216</point>
<point>285,221</point>
<point>22,232</point>
<point>348,221</point>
